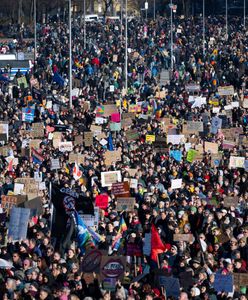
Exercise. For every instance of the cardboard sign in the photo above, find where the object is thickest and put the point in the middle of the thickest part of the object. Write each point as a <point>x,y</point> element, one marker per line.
<point>125,204</point>
<point>109,109</point>
<point>132,135</point>
<point>211,147</point>
<point>226,90</point>
<point>192,87</point>
<point>120,189</point>
<point>35,206</point>
<point>231,201</point>
<point>57,137</point>
<point>18,224</point>
<point>236,162</point>
<point>183,237</point>
<point>193,127</point>
<point>240,279</point>
<point>4,151</point>
<point>78,140</point>
<point>9,201</point>
<point>88,138</point>
<point>175,139</point>
<point>92,261</point>
<point>112,157</point>
<point>65,146</point>
<point>34,144</point>
<point>55,164</point>
<point>76,157</point>
<point>115,58</point>
<point>113,267</point>
<point>37,130</point>
<point>108,178</point>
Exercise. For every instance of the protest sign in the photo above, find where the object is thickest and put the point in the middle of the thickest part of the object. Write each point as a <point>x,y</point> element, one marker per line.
<point>113,267</point>
<point>231,201</point>
<point>115,117</point>
<point>101,201</point>
<point>35,206</point>
<point>150,138</point>
<point>183,237</point>
<point>115,126</point>
<point>78,140</point>
<point>226,90</point>
<point>193,127</point>
<point>240,279</point>
<point>18,223</point>
<point>35,144</point>
<point>126,204</point>
<point>132,135</point>
<point>120,189</point>
<point>57,136</point>
<point>112,157</point>
<point>192,87</point>
<point>175,139</point>
<point>223,283</point>
<point>22,82</point>
<point>37,130</point>
<point>191,155</point>
<point>91,261</point>
<point>55,164</point>
<point>236,162</point>
<point>147,244</point>
<point>109,109</point>
<point>216,124</point>
<point>171,285</point>
<point>228,145</point>
<point>28,114</point>
<point>65,146</point>
<point>176,183</point>
<point>76,157</point>
<point>211,147</point>
<point>88,138</point>
<point>4,129</point>
<point>9,201</point>
<point>108,178</point>
<point>176,154</point>
<point>4,151</point>
<point>91,220</point>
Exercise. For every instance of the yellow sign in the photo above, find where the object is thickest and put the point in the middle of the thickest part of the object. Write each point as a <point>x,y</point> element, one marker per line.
<point>150,138</point>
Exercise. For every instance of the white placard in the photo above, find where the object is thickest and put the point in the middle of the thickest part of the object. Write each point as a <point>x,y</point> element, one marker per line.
<point>18,188</point>
<point>176,183</point>
<point>175,139</point>
<point>108,178</point>
<point>65,146</point>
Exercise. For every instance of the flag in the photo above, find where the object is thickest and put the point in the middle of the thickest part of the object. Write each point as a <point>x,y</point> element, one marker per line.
<point>37,157</point>
<point>58,79</point>
<point>117,240</point>
<point>10,166</point>
<point>84,237</point>
<point>110,142</point>
<point>65,200</point>
<point>97,238</point>
<point>157,245</point>
<point>76,172</point>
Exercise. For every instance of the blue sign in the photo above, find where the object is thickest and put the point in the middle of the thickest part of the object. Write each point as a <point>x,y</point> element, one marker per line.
<point>28,114</point>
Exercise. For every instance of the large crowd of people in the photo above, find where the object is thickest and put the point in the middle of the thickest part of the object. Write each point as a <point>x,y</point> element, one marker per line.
<point>179,143</point>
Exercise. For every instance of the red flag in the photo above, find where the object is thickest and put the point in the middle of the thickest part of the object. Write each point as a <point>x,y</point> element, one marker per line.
<point>157,245</point>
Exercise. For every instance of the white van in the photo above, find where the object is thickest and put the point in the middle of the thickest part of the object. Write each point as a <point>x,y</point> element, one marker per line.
<point>91,18</point>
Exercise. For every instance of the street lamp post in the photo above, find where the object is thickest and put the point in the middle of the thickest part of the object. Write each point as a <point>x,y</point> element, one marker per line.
<point>35,34</point>
<point>203,20</point>
<point>154,10</point>
<point>171,17</point>
<point>70,58</point>
<point>84,26</point>
<point>244,12</point>
<point>226,21</point>
<point>146,8</point>
<point>126,58</point>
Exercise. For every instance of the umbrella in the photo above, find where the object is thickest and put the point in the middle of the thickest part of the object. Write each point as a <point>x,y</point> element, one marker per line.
<point>4,264</point>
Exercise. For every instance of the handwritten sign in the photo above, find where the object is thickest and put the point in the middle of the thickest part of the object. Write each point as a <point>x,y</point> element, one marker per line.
<point>126,204</point>
<point>108,178</point>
